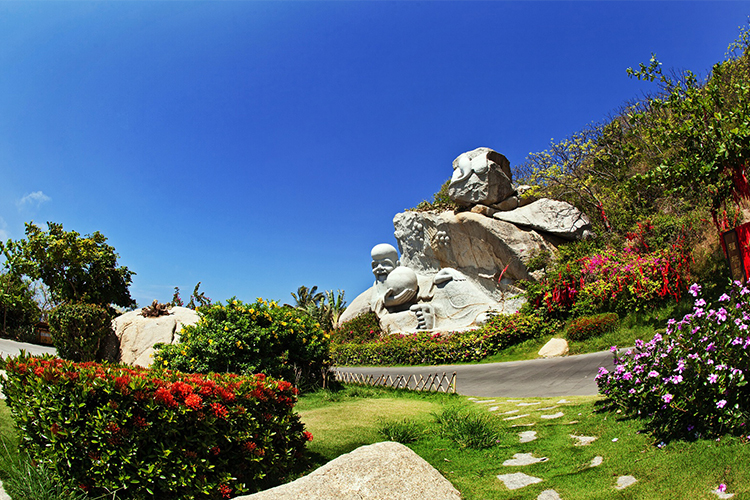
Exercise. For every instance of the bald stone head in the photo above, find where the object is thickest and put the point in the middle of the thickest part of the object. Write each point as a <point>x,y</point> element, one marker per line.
<point>384,260</point>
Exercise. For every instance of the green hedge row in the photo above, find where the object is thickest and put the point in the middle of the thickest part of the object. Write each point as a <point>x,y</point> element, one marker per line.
<point>150,434</point>
<point>500,332</point>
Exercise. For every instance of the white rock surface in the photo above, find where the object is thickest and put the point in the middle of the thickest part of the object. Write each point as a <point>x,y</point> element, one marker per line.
<point>548,495</point>
<point>478,246</point>
<point>527,436</point>
<point>516,417</point>
<point>554,415</point>
<point>518,480</point>
<point>583,440</point>
<point>481,176</point>
<point>380,471</point>
<point>3,494</point>
<point>554,348</point>
<point>524,459</point>
<point>625,481</point>
<point>596,461</point>
<point>722,494</point>
<point>549,216</point>
<point>137,335</point>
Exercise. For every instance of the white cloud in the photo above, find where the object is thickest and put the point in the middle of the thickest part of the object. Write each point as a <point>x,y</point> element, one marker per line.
<point>33,200</point>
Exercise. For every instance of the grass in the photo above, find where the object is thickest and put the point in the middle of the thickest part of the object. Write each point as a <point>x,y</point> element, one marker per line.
<point>468,444</point>
<point>677,470</point>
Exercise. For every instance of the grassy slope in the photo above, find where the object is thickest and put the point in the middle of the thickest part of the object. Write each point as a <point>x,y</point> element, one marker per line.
<point>678,470</point>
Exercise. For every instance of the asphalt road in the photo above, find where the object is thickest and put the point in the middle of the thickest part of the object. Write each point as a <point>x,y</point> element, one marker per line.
<point>13,348</point>
<point>565,376</point>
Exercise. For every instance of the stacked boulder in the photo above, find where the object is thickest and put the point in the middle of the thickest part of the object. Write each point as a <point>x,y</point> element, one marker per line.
<point>485,246</point>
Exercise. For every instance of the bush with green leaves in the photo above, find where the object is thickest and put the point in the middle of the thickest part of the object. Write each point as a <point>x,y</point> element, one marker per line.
<point>262,337</point>
<point>77,330</point>
<point>586,327</point>
<point>18,310</point>
<point>146,434</point>
<point>692,380</point>
<point>429,348</point>
<point>363,328</point>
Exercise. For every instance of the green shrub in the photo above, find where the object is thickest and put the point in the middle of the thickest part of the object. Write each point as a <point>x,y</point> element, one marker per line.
<point>363,328</point>
<point>262,337</point>
<point>149,434</point>
<point>403,431</point>
<point>18,310</point>
<point>440,201</point>
<point>586,327</point>
<point>505,330</point>
<point>78,329</point>
<point>468,428</point>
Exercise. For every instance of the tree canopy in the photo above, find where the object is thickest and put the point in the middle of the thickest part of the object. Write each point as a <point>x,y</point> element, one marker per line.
<point>75,268</point>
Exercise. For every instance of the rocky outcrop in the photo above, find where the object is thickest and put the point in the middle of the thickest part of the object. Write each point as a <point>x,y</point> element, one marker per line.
<point>482,176</point>
<point>553,217</point>
<point>138,334</point>
<point>458,267</point>
<point>479,246</point>
<point>380,471</point>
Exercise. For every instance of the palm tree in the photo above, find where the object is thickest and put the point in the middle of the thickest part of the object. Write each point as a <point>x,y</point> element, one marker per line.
<point>307,297</point>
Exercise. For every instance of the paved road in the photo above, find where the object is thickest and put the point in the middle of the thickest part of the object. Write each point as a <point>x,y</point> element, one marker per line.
<point>566,376</point>
<point>13,348</point>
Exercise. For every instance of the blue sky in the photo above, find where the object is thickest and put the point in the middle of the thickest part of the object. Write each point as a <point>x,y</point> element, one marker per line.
<point>260,146</point>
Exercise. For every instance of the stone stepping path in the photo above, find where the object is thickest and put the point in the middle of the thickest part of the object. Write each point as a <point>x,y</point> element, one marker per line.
<point>584,440</point>
<point>548,495</point>
<point>518,480</point>
<point>510,412</point>
<point>527,436</point>
<point>722,494</point>
<point>596,461</point>
<point>524,459</point>
<point>517,417</point>
<point>625,481</point>
<point>555,415</point>
<point>528,404</point>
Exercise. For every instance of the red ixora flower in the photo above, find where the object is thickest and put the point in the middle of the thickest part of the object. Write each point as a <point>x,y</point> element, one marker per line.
<point>219,410</point>
<point>308,435</point>
<point>194,402</point>
<point>226,491</point>
<point>162,395</point>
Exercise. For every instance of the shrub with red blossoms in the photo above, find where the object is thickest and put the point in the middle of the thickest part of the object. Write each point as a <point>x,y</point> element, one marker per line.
<point>149,434</point>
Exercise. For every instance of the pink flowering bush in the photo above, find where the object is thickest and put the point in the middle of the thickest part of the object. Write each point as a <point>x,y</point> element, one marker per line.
<point>154,434</point>
<point>692,381</point>
<point>622,281</point>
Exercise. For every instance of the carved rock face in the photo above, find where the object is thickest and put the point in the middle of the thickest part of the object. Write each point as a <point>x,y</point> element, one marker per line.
<point>481,176</point>
<point>550,216</point>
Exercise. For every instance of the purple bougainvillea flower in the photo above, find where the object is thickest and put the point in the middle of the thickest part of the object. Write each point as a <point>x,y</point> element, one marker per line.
<point>721,404</point>
<point>695,289</point>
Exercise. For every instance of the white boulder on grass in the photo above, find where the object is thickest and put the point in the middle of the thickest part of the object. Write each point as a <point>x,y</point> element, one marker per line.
<point>137,334</point>
<point>380,471</point>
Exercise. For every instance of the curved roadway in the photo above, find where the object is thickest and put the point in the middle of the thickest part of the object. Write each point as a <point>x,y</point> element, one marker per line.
<point>565,376</point>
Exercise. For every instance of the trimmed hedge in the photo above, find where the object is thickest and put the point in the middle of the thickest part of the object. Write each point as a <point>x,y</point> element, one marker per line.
<point>587,327</point>
<point>500,332</point>
<point>148,434</point>
<point>77,330</point>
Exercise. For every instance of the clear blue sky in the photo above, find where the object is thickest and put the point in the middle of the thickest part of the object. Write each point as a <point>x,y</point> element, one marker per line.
<point>260,146</point>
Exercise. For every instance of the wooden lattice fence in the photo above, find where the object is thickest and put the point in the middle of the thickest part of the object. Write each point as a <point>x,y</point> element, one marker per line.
<point>433,382</point>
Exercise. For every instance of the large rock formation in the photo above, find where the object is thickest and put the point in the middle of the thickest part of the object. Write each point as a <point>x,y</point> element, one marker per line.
<point>380,471</point>
<point>138,334</point>
<point>459,267</point>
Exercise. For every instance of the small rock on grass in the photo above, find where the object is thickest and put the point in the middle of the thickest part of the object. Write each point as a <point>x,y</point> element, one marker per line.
<point>596,461</point>
<point>516,417</point>
<point>524,459</point>
<point>527,436</point>
<point>518,480</point>
<point>584,440</point>
<point>548,495</point>
<point>555,415</point>
<point>625,481</point>
<point>722,494</point>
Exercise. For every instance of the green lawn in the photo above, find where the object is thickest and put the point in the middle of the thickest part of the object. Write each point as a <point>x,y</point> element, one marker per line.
<point>679,470</point>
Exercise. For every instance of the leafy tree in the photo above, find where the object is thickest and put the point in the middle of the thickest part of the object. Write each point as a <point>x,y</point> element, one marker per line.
<point>18,311</point>
<point>325,307</point>
<point>76,269</point>
<point>699,132</point>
